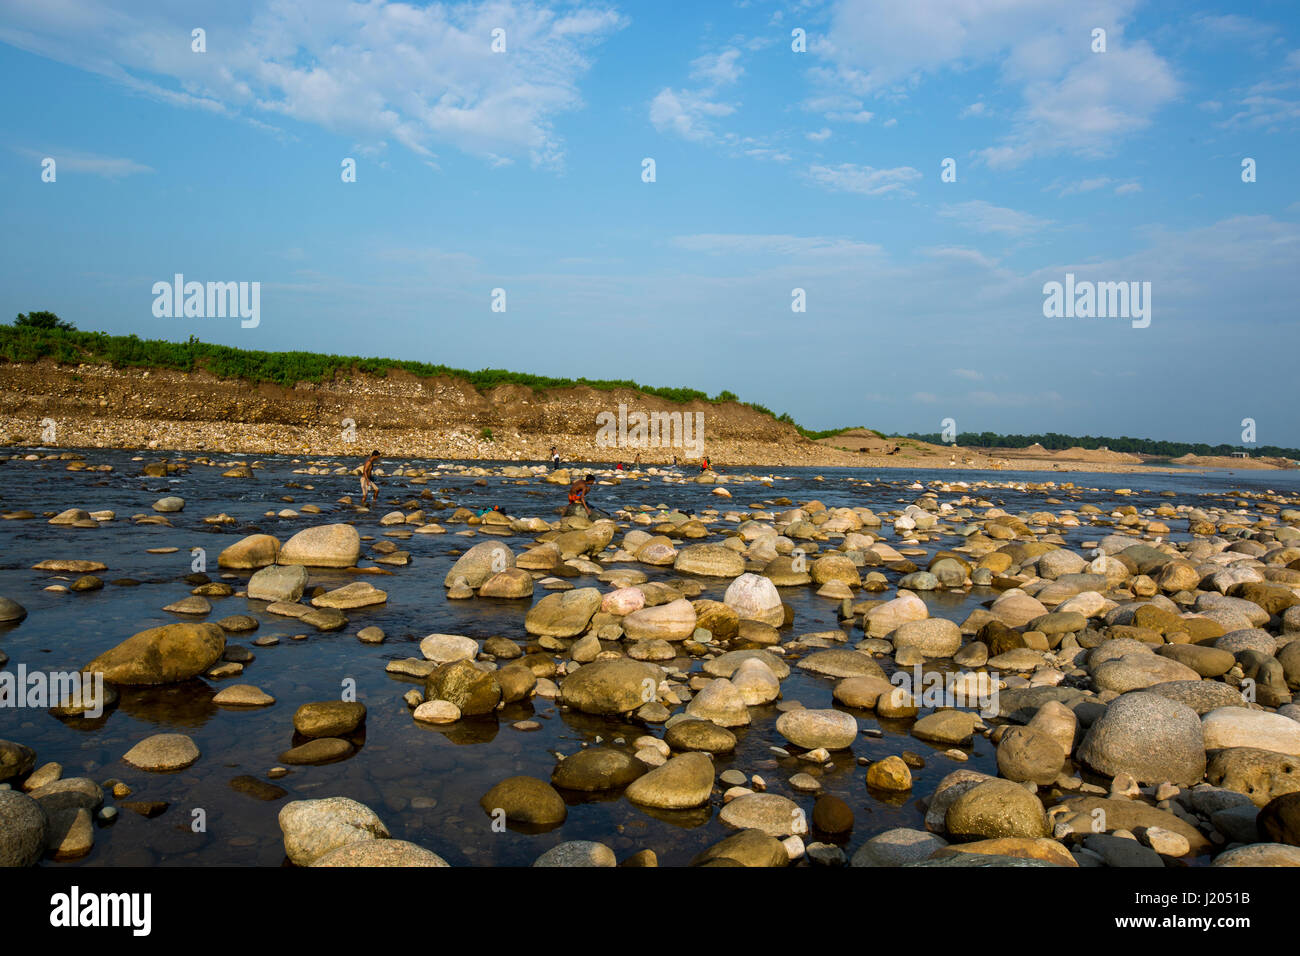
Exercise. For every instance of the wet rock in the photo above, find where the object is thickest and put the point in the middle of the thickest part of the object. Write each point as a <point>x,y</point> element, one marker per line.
<point>897,847</point>
<point>319,751</point>
<point>841,662</point>
<point>278,583</point>
<point>313,828</point>
<point>447,648</point>
<point>832,729</point>
<point>1259,774</point>
<point>329,718</point>
<point>582,853</point>
<point>354,595</point>
<point>674,621</point>
<point>1026,755</point>
<point>996,808</point>
<point>474,691</point>
<point>565,614</point>
<point>15,760</point>
<point>242,695</point>
<point>611,686</point>
<point>1148,736</point>
<point>371,853</point>
<point>752,848</point>
<point>683,782</point>
<point>712,560</point>
<point>512,584</point>
<point>71,834</point>
<point>326,546</point>
<point>597,768</point>
<point>775,815</point>
<point>932,637</point>
<point>754,597</point>
<point>24,825</point>
<point>1230,727</point>
<point>254,551</point>
<point>479,563</point>
<point>525,800</point>
<point>162,753</point>
<point>161,655</point>
<point>721,703</point>
<point>701,735</point>
<point>890,774</point>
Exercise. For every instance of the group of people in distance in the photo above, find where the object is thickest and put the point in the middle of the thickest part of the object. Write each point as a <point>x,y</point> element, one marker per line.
<point>578,489</point>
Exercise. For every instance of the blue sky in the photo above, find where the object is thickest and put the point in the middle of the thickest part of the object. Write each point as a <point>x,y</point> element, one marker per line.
<point>775,170</point>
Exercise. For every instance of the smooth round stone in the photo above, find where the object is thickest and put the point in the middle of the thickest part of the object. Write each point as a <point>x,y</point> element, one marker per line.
<point>169,505</point>
<point>841,662</point>
<point>775,815</point>
<point>11,611</point>
<point>890,774</point>
<point>683,782</point>
<point>810,729</point>
<point>832,815</point>
<point>996,808</point>
<point>162,753</point>
<point>437,712</point>
<point>318,751</point>
<point>447,648</point>
<point>1149,736</point>
<point>15,759</point>
<point>243,695</point>
<point>525,800</point>
<point>897,847</point>
<point>328,718</point>
<point>380,852</point>
<point>805,783</point>
<point>597,768</point>
<point>577,853</point>
<point>1230,727</point>
<point>24,825</point>
<point>733,778</point>
<point>190,605</point>
<point>371,635</point>
<point>721,702</point>
<point>313,828</point>
<point>704,735</point>
<point>71,834</point>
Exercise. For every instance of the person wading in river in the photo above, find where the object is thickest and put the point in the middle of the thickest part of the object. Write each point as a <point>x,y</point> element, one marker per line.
<point>367,483</point>
<point>578,492</point>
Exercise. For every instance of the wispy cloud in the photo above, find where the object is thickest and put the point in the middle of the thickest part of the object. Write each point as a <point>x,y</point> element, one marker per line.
<point>982,216</point>
<point>71,161</point>
<point>422,76</point>
<point>864,180</point>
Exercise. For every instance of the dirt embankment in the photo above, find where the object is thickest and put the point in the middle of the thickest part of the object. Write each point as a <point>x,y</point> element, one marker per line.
<point>404,415</point>
<point>400,414</point>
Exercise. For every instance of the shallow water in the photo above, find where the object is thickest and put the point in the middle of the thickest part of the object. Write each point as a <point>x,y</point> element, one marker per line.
<point>425,783</point>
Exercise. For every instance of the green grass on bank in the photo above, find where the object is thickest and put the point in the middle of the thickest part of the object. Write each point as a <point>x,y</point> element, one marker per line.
<point>24,342</point>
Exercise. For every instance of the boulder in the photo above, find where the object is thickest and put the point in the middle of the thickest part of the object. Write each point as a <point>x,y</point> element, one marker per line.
<point>326,546</point>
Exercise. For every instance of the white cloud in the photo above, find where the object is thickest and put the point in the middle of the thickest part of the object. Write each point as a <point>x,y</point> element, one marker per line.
<point>719,69</point>
<point>687,113</point>
<point>848,177</point>
<point>1073,100</point>
<point>975,109</point>
<point>1125,189</point>
<point>107,167</point>
<point>420,76</point>
<point>820,136</point>
<point>969,373</point>
<point>746,244</point>
<point>983,216</point>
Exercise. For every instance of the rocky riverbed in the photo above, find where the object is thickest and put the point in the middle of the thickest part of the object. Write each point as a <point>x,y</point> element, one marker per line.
<point>866,668</point>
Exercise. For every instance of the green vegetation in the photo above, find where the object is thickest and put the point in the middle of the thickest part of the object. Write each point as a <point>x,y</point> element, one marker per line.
<point>485,434</point>
<point>828,432</point>
<point>1053,441</point>
<point>42,320</point>
<point>49,338</point>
